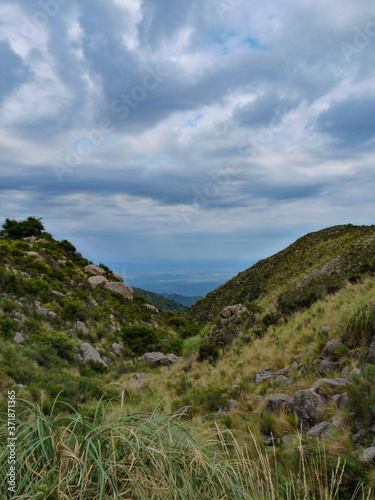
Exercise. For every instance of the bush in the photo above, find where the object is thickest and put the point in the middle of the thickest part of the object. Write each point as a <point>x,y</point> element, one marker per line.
<point>359,323</point>
<point>17,230</point>
<point>140,338</point>
<point>7,327</point>
<point>35,286</point>
<point>74,310</point>
<point>362,396</point>
<point>58,341</point>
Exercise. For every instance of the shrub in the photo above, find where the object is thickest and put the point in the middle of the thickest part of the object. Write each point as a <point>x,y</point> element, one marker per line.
<point>17,230</point>
<point>74,310</point>
<point>58,341</point>
<point>140,338</point>
<point>35,286</point>
<point>362,396</point>
<point>7,327</point>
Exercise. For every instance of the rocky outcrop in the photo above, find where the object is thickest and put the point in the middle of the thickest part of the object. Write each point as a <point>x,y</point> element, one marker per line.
<point>124,290</point>
<point>90,353</point>
<point>152,308</point>
<point>118,277</point>
<point>81,327</point>
<point>307,405</point>
<point>91,269</point>
<point>160,359</point>
<point>235,310</point>
<point>97,280</point>
<point>18,338</point>
<point>117,348</point>
<point>280,403</point>
<point>326,366</point>
<point>333,385</point>
<point>321,431</point>
<point>330,350</point>
<point>267,373</point>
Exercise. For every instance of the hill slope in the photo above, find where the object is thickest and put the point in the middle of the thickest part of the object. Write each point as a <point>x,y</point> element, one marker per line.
<point>182,299</point>
<point>312,266</point>
<point>162,301</point>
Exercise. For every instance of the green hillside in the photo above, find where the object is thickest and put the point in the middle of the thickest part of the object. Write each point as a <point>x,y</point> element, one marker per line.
<point>272,399</point>
<point>167,303</point>
<point>314,265</point>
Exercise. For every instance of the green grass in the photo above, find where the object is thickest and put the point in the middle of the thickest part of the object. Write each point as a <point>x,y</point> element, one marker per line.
<point>158,455</point>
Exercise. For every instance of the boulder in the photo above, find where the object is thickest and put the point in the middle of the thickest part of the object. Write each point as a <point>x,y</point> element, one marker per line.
<point>267,373</point>
<point>32,254</point>
<point>326,366</point>
<point>342,400</point>
<point>330,348</point>
<point>368,455</point>
<point>118,277</point>
<point>159,359</point>
<point>30,239</point>
<point>90,353</point>
<point>117,348</point>
<point>18,338</point>
<point>307,405</point>
<point>97,280</point>
<point>335,384</point>
<point>81,327</point>
<point>91,269</point>
<point>152,308</point>
<point>124,290</point>
<point>280,403</point>
<point>321,430</point>
<point>229,311</point>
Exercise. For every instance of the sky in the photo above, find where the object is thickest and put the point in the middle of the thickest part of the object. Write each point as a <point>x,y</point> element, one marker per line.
<point>179,142</point>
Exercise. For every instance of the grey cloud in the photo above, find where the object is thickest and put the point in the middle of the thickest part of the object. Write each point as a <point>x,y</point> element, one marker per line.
<point>350,123</point>
<point>13,71</point>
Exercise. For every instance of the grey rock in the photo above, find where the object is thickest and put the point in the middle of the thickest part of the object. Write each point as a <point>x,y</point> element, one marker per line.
<point>336,384</point>
<point>233,403</point>
<point>91,269</point>
<point>341,400</point>
<point>30,239</point>
<point>263,375</point>
<point>152,308</point>
<point>118,277</point>
<point>229,311</point>
<point>267,440</point>
<point>117,348</point>
<point>81,327</point>
<point>32,254</point>
<point>280,403</point>
<point>97,280</point>
<point>330,348</point>
<point>324,329</point>
<point>107,360</point>
<point>90,353</point>
<point>18,338</point>
<point>321,430</point>
<point>52,314</point>
<point>125,290</point>
<point>43,310</point>
<point>356,371</point>
<point>307,405</point>
<point>326,366</point>
<point>159,359</point>
<point>345,372</point>
<point>58,294</point>
<point>368,455</point>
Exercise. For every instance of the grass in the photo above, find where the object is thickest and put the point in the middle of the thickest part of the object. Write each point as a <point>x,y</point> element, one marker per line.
<point>158,455</point>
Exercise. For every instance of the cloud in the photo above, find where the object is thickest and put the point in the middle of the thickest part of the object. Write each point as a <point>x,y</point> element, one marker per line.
<point>231,127</point>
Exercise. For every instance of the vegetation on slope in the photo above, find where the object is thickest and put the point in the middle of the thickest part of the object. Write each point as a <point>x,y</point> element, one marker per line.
<point>314,265</point>
<point>166,303</point>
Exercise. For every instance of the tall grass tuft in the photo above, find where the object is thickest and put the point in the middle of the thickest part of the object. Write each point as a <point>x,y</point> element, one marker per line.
<point>116,455</point>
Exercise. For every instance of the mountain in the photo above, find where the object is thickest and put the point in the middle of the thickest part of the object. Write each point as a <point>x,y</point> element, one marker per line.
<point>275,395</point>
<point>167,302</point>
<point>182,299</point>
<point>314,265</point>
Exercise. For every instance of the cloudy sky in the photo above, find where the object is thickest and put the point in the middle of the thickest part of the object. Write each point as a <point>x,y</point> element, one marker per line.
<point>179,141</point>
